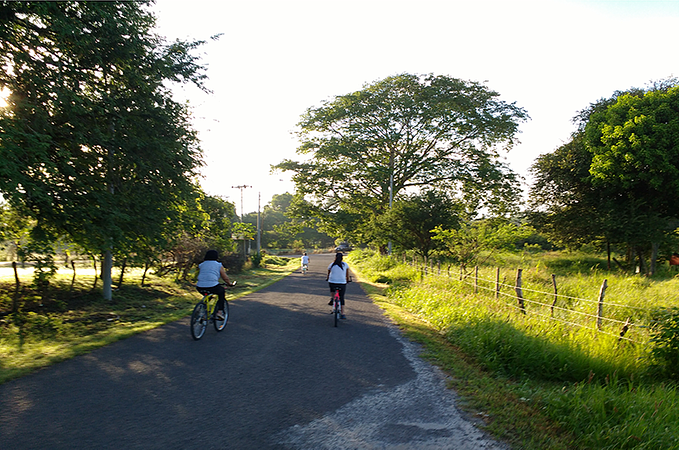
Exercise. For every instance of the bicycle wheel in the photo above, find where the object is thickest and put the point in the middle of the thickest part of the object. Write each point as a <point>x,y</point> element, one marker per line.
<point>220,324</point>
<point>336,311</point>
<point>198,321</point>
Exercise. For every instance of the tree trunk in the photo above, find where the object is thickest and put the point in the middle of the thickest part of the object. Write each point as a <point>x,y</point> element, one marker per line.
<point>654,257</point>
<point>642,266</point>
<point>106,275</point>
<point>146,269</point>
<point>96,277</point>
<point>122,272</point>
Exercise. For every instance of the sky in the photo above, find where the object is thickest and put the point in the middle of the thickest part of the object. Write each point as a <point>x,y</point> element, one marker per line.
<point>278,58</point>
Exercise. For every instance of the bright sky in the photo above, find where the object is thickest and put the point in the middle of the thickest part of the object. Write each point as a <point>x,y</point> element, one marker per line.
<point>279,57</point>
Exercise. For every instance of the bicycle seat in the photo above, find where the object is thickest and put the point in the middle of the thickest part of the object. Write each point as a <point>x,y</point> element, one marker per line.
<point>204,291</point>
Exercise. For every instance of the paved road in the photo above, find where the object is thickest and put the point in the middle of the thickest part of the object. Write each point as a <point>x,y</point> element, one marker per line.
<point>279,376</point>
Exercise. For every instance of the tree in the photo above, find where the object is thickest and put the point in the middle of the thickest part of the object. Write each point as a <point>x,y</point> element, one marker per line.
<point>565,205</point>
<point>410,223</point>
<point>402,133</point>
<point>465,243</point>
<point>635,148</point>
<point>618,179</point>
<point>92,144</point>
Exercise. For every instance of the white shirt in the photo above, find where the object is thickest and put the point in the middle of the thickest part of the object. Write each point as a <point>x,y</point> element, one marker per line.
<point>337,275</point>
<point>305,259</point>
<point>209,274</point>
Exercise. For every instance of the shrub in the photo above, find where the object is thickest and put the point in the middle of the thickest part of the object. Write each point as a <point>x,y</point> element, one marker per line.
<point>256,260</point>
<point>665,340</point>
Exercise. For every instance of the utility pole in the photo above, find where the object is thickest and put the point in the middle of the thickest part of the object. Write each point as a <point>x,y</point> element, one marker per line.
<point>242,187</point>
<point>391,191</point>
<point>259,232</point>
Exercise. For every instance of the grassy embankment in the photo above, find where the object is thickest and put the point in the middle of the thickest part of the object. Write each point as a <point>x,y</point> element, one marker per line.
<point>73,321</point>
<point>538,382</point>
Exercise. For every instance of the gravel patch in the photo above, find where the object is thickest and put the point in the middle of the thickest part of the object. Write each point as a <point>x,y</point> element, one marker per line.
<point>417,415</point>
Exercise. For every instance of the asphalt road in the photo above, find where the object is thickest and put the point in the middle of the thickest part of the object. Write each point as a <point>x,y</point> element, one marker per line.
<point>280,376</point>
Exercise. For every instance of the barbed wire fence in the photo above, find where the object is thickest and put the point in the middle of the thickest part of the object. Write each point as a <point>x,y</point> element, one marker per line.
<point>535,304</point>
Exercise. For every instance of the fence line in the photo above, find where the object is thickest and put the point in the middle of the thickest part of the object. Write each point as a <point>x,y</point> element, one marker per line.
<point>511,286</point>
<point>521,306</point>
<point>512,305</point>
<point>571,311</point>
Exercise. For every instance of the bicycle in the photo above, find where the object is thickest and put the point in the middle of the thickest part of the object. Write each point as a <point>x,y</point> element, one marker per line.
<point>205,311</point>
<point>336,304</point>
<point>305,267</point>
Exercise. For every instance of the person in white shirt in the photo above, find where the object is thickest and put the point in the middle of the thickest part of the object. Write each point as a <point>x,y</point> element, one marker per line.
<point>305,261</point>
<point>338,277</point>
<point>210,271</point>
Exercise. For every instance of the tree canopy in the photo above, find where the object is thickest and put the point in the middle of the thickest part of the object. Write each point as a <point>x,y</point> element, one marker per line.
<point>409,132</point>
<point>617,180</point>
<point>92,145</point>
<point>410,223</point>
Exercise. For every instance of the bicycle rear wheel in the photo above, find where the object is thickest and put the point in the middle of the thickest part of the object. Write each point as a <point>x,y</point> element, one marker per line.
<point>220,324</point>
<point>198,321</point>
<point>336,311</point>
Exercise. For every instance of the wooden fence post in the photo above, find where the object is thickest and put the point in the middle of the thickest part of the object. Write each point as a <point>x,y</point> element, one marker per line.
<point>519,291</point>
<point>624,330</point>
<point>497,283</point>
<point>556,295</point>
<point>600,312</point>
<point>476,279</point>
<point>438,263</point>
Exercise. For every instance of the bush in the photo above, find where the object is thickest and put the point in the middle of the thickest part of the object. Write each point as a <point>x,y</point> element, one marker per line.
<point>665,340</point>
<point>256,260</point>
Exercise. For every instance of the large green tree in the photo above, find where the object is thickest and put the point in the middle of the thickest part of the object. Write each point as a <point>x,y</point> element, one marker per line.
<point>402,133</point>
<point>92,145</point>
<point>410,223</point>
<point>617,180</point>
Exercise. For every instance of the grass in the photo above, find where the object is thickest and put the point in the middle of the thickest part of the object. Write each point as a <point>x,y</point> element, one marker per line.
<point>74,321</point>
<point>538,383</point>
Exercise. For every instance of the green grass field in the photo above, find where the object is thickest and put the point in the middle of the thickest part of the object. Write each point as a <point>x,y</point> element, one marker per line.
<point>542,382</point>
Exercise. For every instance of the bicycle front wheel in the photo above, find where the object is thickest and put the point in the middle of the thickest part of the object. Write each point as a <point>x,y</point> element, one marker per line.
<point>336,313</point>
<point>198,321</point>
<point>220,324</point>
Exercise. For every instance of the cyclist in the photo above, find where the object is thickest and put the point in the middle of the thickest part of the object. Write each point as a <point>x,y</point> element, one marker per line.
<point>210,271</point>
<point>338,277</point>
<point>305,261</point>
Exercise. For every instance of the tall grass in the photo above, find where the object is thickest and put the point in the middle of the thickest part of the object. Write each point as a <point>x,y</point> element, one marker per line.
<point>604,390</point>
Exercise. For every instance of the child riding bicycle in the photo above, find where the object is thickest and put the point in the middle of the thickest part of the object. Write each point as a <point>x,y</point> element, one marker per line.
<point>210,271</point>
<point>337,278</point>
<point>305,262</point>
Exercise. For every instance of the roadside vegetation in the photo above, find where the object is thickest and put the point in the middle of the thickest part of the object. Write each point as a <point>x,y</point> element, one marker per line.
<point>538,382</point>
<point>74,320</point>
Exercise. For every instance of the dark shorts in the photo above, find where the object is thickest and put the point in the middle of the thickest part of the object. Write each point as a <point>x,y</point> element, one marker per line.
<point>342,290</point>
<point>219,290</point>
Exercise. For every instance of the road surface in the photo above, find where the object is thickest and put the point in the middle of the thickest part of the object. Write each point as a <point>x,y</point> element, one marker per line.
<point>280,376</point>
